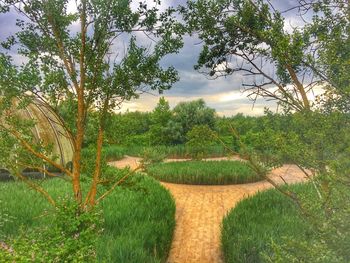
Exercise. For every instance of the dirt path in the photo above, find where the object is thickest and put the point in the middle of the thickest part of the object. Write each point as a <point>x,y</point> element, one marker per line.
<point>200,210</point>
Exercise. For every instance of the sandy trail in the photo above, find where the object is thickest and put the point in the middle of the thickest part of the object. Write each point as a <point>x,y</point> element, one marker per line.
<point>200,210</point>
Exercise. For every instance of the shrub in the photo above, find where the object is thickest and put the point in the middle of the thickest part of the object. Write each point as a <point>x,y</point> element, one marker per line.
<point>71,237</point>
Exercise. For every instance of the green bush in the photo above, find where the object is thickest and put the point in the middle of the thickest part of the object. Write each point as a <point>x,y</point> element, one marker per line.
<point>203,172</point>
<point>138,221</point>
<point>71,237</point>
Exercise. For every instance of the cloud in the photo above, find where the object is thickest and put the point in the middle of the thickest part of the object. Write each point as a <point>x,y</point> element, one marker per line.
<point>223,93</point>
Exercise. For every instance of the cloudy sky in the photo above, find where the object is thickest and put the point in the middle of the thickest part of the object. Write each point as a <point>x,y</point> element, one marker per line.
<point>224,94</point>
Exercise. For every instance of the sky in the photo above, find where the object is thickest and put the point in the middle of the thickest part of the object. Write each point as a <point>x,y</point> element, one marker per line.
<point>224,94</point>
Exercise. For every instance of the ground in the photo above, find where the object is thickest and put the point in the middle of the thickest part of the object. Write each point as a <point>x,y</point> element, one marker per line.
<point>200,210</point>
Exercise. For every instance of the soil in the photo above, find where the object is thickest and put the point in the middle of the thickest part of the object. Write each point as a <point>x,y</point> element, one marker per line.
<point>200,210</point>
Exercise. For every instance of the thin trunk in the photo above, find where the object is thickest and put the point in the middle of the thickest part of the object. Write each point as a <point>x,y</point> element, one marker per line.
<point>91,197</point>
<point>299,86</point>
<point>81,111</point>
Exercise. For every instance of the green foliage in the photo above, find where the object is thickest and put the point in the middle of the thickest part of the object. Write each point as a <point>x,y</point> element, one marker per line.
<point>245,32</point>
<point>122,128</point>
<point>152,155</point>
<point>71,237</point>
<point>160,117</point>
<point>190,114</point>
<point>113,152</point>
<point>175,151</point>
<point>203,172</point>
<point>198,140</point>
<point>138,219</point>
<point>331,29</point>
<point>59,61</point>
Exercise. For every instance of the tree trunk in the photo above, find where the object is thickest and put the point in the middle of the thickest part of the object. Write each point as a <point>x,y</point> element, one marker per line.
<point>77,154</point>
<point>91,197</point>
<point>81,110</point>
<point>299,86</point>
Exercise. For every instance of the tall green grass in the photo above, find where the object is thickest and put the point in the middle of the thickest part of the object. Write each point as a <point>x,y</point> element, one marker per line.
<point>138,218</point>
<point>175,151</point>
<point>203,172</point>
<point>247,231</point>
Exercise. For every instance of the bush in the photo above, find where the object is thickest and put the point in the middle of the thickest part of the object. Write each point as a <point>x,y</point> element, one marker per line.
<point>203,172</point>
<point>71,237</point>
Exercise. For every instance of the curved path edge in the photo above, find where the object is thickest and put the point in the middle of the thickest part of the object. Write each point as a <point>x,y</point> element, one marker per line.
<point>200,210</point>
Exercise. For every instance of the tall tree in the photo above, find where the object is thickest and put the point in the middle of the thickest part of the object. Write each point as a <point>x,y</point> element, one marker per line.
<point>250,37</point>
<point>74,54</point>
<point>192,113</point>
<point>160,117</point>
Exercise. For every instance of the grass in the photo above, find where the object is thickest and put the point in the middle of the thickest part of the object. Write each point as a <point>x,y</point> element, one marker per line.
<point>203,172</point>
<point>175,151</point>
<point>138,219</point>
<point>269,227</point>
<point>113,152</point>
<point>249,229</point>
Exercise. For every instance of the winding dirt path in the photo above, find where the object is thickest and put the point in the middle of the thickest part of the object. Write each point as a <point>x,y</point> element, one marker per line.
<point>200,210</point>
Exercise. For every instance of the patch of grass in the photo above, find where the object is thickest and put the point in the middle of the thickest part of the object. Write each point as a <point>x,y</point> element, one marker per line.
<point>203,172</point>
<point>138,217</point>
<point>175,151</point>
<point>113,152</point>
<point>249,228</point>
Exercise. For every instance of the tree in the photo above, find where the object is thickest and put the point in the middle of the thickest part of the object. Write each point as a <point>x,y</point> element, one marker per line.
<point>160,117</point>
<point>330,27</point>
<point>250,37</point>
<point>198,140</point>
<point>70,54</point>
<point>189,114</point>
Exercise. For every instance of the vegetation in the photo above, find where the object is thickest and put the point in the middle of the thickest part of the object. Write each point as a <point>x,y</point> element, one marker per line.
<point>270,227</point>
<point>70,63</point>
<point>80,65</point>
<point>137,222</point>
<point>174,152</point>
<point>203,172</point>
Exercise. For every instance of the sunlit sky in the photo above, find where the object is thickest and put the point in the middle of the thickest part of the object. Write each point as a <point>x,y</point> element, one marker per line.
<point>223,94</point>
